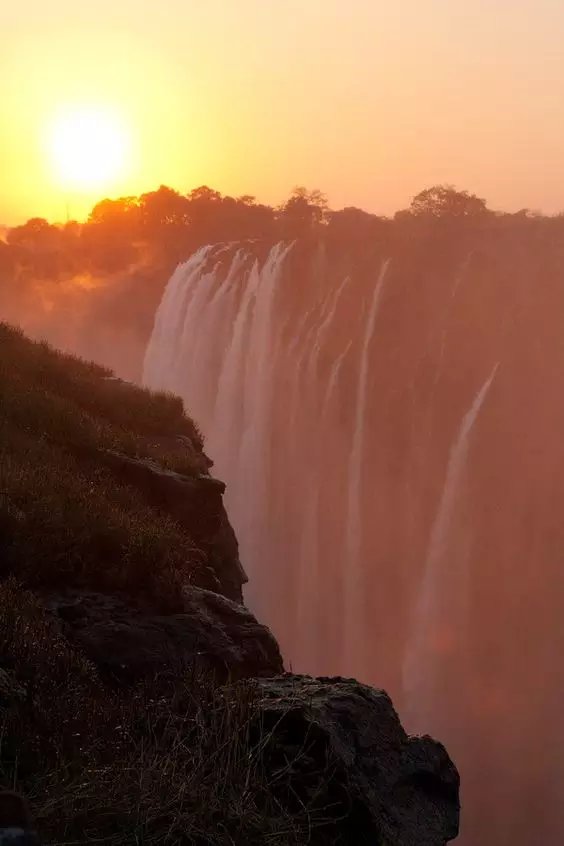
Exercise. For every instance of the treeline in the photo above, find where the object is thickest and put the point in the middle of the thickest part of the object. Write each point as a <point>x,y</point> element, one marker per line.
<point>164,226</point>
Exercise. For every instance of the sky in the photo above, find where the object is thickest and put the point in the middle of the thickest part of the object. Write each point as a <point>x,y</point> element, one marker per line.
<point>368,100</point>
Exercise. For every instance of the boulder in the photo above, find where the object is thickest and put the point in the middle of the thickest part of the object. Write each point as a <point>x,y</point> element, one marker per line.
<point>127,644</point>
<point>196,503</point>
<point>337,747</point>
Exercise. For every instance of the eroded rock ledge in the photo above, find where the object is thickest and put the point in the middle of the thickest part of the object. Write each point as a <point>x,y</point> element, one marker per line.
<point>196,503</point>
<point>342,748</point>
<point>212,633</point>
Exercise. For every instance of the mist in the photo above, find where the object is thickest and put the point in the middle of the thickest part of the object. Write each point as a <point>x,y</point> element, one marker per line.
<point>382,398</point>
<point>393,483</point>
<point>92,316</point>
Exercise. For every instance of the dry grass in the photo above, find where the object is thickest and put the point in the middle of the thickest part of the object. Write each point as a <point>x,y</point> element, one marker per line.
<point>64,520</point>
<point>177,760</point>
<point>78,403</point>
<point>149,766</point>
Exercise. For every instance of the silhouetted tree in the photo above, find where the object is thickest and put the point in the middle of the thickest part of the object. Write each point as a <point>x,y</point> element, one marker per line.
<point>122,213</point>
<point>205,196</point>
<point>444,201</point>
<point>35,235</point>
<point>214,217</point>
<point>352,225</point>
<point>6,262</point>
<point>163,208</point>
<point>109,238</point>
<point>303,212</point>
<point>41,247</point>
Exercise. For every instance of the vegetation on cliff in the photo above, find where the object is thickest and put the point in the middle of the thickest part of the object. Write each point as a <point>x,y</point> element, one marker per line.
<point>161,757</point>
<point>137,707</point>
<point>64,518</point>
<point>94,287</point>
<point>163,761</point>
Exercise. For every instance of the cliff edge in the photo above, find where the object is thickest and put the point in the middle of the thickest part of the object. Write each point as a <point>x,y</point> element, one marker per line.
<point>140,701</point>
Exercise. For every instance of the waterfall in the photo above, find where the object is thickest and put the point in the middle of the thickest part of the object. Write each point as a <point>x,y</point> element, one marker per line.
<point>261,374</point>
<point>354,613</point>
<point>442,595</point>
<point>391,529</point>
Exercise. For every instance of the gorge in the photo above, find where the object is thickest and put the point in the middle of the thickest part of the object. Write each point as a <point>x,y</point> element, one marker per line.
<point>388,420</point>
<point>140,700</point>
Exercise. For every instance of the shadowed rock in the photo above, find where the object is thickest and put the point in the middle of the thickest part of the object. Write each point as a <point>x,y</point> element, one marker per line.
<point>213,633</point>
<point>196,503</point>
<point>338,748</point>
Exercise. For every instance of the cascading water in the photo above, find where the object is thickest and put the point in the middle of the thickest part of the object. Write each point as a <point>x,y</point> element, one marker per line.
<point>441,603</point>
<point>354,617</point>
<point>397,521</point>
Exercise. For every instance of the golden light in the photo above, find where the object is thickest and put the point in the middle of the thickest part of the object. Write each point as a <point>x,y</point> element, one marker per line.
<point>88,147</point>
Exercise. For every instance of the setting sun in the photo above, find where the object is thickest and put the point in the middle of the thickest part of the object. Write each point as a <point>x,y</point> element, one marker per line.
<point>88,147</point>
<point>281,360</point>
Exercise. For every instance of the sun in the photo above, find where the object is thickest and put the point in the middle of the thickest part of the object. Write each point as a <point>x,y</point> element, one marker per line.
<point>88,147</point>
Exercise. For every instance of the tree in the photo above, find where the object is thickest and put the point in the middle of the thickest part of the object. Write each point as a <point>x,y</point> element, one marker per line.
<point>39,246</point>
<point>121,215</point>
<point>303,212</point>
<point>204,195</point>
<point>6,262</point>
<point>352,225</point>
<point>109,238</point>
<point>36,235</point>
<point>444,201</point>
<point>162,208</point>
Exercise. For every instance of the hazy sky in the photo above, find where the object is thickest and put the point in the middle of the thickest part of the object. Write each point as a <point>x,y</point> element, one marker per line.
<point>368,100</point>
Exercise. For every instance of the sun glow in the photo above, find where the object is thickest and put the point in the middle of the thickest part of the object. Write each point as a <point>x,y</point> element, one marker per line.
<point>88,147</point>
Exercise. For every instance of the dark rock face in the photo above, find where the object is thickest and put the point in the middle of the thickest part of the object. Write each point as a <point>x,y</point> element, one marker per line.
<point>341,747</point>
<point>213,633</point>
<point>196,503</point>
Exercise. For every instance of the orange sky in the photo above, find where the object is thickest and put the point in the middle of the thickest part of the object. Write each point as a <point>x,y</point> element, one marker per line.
<point>369,100</point>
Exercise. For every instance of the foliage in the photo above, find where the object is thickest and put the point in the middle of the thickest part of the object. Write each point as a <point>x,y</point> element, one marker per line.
<point>95,286</point>
<point>304,212</point>
<point>169,226</point>
<point>63,518</point>
<point>444,201</point>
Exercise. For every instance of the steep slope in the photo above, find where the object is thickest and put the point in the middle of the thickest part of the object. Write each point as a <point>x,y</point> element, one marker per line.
<point>100,482</point>
<point>140,701</point>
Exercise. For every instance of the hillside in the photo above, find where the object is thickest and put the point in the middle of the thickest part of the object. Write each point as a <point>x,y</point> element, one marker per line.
<point>65,517</point>
<point>140,701</point>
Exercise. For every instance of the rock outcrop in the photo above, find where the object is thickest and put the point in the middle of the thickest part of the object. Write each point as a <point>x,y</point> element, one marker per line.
<point>127,644</point>
<point>219,745</point>
<point>338,748</point>
<point>196,503</point>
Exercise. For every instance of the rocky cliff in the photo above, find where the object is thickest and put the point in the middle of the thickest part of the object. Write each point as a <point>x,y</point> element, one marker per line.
<point>140,700</point>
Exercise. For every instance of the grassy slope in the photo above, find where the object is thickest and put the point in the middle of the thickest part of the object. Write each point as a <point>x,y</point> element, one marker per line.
<point>148,765</point>
<point>63,518</point>
<point>180,763</point>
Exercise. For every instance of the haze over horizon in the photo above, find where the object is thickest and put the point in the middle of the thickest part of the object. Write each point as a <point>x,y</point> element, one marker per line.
<point>248,429</point>
<point>367,101</point>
